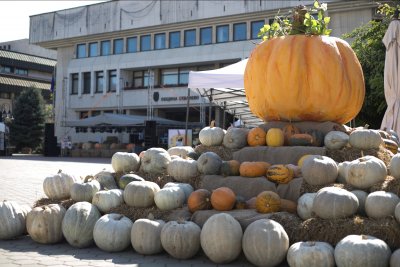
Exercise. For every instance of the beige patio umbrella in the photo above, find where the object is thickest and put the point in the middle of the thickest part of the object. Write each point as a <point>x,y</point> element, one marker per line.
<point>391,40</point>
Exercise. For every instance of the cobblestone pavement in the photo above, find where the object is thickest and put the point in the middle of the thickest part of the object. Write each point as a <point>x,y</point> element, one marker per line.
<point>21,179</point>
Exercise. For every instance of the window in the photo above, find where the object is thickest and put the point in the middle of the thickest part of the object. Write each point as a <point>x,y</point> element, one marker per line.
<point>81,50</point>
<point>255,28</point>
<point>118,46</point>
<point>205,35</point>
<point>93,50</point>
<point>140,79</point>
<point>84,114</point>
<point>131,45</point>
<point>99,82</point>
<point>20,71</point>
<point>174,39</point>
<point>96,113</point>
<point>222,33</point>
<point>6,69</point>
<point>105,48</point>
<point>190,37</point>
<point>184,75</point>
<point>159,41</point>
<point>86,83</point>
<point>75,83</point>
<point>169,77</point>
<point>239,31</point>
<point>145,43</point>
<point>112,81</point>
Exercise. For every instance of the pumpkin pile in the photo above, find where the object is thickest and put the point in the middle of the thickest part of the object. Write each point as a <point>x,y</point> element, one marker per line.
<point>288,190</point>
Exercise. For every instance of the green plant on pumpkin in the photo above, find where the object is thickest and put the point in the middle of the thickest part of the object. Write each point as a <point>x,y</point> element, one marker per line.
<point>303,22</point>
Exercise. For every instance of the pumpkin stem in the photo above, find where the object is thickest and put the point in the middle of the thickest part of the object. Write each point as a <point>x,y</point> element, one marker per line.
<point>118,218</point>
<point>212,124</point>
<point>88,178</point>
<point>181,220</point>
<point>59,171</point>
<point>366,126</point>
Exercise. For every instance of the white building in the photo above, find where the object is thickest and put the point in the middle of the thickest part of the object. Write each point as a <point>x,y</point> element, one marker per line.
<point>133,57</point>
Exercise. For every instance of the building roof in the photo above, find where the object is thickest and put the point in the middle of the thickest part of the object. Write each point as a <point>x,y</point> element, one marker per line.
<point>27,58</point>
<point>18,82</point>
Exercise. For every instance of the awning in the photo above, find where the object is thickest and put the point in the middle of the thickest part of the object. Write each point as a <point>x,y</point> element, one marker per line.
<point>225,87</point>
<point>120,120</point>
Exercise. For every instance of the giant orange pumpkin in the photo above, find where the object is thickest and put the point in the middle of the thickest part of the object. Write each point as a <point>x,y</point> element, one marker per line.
<point>299,77</point>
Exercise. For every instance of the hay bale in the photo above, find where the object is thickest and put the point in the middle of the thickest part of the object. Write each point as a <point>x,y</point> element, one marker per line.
<point>66,203</point>
<point>351,153</point>
<point>307,188</point>
<point>135,213</point>
<point>332,231</point>
<point>390,184</point>
<point>223,152</point>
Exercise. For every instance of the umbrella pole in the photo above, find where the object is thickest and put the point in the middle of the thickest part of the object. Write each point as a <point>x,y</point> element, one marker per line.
<point>187,117</point>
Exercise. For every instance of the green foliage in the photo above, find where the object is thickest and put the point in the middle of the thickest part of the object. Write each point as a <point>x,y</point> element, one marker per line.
<point>27,128</point>
<point>368,46</point>
<point>303,21</point>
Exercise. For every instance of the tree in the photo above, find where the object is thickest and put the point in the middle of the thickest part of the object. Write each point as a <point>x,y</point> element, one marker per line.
<point>368,46</point>
<point>27,129</point>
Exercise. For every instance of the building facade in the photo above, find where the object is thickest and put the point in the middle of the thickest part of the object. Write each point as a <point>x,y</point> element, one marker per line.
<point>134,57</point>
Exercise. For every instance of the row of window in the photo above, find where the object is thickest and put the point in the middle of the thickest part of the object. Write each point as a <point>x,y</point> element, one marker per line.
<point>13,70</point>
<point>139,79</point>
<point>160,41</point>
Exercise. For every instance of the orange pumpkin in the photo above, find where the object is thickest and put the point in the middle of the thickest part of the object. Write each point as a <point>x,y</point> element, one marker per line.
<point>280,174</point>
<point>288,131</point>
<point>304,78</point>
<point>230,168</point>
<point>300,140</point>
<point>256,137</point>
<point>275,137</point>
<point>223,199</point>
<point>251,203</point>
<point>199,200</point>
<point>267,202</point>
<point>289,206</point>
<point>253,168</point>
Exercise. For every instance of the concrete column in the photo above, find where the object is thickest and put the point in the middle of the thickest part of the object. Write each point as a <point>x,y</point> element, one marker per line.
<point>119,82</point>
<point>105,82</point>
<point>92,82</point>
<point>80,83</point>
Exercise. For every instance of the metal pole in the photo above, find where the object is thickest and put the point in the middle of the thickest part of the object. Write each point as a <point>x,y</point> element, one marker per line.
<point>210,107</point>
<point>187,117</point>
<point>223,116</point>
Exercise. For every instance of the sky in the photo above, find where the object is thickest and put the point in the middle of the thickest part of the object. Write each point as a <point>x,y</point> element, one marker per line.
<point>14,15</point>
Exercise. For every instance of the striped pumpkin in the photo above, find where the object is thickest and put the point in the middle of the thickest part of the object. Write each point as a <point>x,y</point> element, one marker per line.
<point>391,145</point>
<point>288,131</point>
<point>267,202</point>
<point>280,174</point>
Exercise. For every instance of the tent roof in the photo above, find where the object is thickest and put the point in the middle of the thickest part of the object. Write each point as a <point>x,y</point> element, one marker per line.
<point>109,119</point>
<point>225,87</point>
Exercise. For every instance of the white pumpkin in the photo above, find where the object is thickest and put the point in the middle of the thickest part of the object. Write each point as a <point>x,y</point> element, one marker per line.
<point>319,170</point>
<point>365,139</point>
<point>235,138</point>
<point>183,170</point>
<point>125,162</point>
<point>397,212</point>
<point>342,172</point>
<point>381,204</point>
<point>187,188</point>
<point>78,224</point>
<point>112,232</point>
<point>361,196</point>
<point>361,251</point>
<point>395,258</point>
<point>366,171</point>
<point>311,253</point>
<point>305,204</point>
<point>84,191</point>
<point>181,239</point>
<point>334,203</point>
<point>169,198</point>
<point>211,136</point>
<point>106,180</point>
<point>221,238</point>
<point>105,200</point>
<point>336,140</point>
<point>146,236</point>
<point>209,163</point>
<point>12,218</point>
<point>394,166</point>
<point>181,151</point>
<point>44,223</point>
<point>265,243</point>
<point>155,161</point>
<point>58,186</point>
<point>140,194</point>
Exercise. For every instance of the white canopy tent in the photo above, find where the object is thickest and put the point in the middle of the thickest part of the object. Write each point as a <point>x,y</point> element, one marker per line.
<point>225,87</point>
